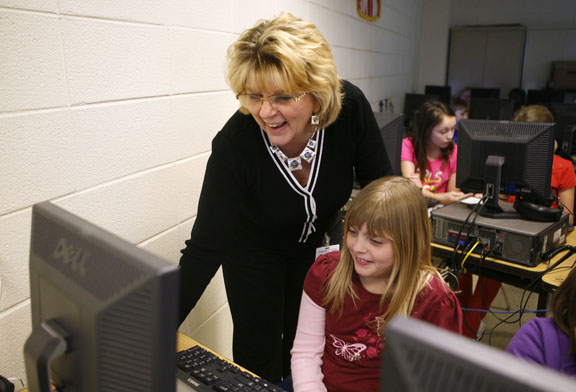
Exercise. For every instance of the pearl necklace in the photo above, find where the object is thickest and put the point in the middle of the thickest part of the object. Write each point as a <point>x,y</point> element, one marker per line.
<point>294,164</point>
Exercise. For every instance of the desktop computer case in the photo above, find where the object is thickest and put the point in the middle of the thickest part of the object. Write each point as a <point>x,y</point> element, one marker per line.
<point>518,241</point>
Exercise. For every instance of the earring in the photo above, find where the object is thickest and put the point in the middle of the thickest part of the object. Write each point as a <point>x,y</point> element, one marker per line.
<point>314,120</point>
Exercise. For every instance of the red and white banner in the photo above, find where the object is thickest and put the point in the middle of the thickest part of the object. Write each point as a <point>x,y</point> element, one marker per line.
<point>369,9</point>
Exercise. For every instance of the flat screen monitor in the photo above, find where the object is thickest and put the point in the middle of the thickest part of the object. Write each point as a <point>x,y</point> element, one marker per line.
<point>104,312</point>
<point>483,92</point>
<point>444,93</point>
<point>420,357</point>
<point>392,130</point>
<point>506,157</point>
<point>491,109</point>
<point>565,117</point>
<point>413,102</point>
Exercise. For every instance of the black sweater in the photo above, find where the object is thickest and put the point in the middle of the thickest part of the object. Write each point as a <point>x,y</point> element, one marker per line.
<point>250,201</point>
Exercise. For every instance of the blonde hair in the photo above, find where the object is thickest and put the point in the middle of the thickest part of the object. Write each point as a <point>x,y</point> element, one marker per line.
<point>392,208</point>
<point>534,113</point>
<point>293,55</point>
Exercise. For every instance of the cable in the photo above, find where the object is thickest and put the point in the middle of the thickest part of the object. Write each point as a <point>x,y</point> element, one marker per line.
<point>469,252</point>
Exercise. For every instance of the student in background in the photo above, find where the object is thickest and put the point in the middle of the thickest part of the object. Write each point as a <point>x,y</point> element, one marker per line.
<point>279,172</point>
<point>563,177</point>
<point>551,342</point>
<point>518,96</point>
<point>429,156</point>
<point>465,94</point>
<point>460,109</point>
<point>384,270</point>
<point>432,151</point>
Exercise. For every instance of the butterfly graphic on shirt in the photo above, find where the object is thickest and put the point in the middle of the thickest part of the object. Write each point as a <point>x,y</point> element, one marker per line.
<point>348,351</point>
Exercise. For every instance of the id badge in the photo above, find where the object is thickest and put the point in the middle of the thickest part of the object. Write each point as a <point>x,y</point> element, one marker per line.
<point>327,249</point>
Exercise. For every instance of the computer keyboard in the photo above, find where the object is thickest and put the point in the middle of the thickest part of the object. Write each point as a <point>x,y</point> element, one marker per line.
<point>203,371</point>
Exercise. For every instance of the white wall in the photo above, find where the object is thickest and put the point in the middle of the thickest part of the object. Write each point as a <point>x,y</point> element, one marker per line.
<point>108,108</point>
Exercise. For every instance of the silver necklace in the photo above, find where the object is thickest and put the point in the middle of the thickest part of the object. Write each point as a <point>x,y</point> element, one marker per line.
<point>294,164</point>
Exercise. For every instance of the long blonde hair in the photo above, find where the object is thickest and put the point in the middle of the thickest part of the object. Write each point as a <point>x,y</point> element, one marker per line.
<point>392,208</point>
<point>293,55</point>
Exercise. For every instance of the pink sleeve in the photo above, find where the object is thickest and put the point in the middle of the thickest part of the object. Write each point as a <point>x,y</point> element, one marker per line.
<point>407,150</point>
<point>308,347</point>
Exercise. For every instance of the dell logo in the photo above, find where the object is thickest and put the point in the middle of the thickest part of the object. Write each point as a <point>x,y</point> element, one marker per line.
<point>71,256</point>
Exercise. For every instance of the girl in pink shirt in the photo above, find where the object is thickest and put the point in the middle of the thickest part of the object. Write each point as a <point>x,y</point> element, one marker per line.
<point>429,156</point>
<point>384,270</point>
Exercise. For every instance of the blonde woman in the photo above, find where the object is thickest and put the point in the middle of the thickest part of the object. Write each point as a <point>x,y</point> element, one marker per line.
<point>384,270</point>
<point>280,170</point>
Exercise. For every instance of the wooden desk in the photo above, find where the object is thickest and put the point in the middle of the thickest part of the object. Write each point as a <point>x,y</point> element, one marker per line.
<point>518,275</point>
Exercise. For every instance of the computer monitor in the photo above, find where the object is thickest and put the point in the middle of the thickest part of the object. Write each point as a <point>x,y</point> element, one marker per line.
<point>491,109</point>
<point>413,102</point>
<point>482,92</point>
<point>420,357</point>
<point>444,93</point>
<point>392,130</point>
<point>507,157</point>
<point>104,312</point>
<point>565,117</point>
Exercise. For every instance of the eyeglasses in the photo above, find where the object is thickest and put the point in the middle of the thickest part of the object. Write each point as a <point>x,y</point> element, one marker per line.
<point>254,101</point>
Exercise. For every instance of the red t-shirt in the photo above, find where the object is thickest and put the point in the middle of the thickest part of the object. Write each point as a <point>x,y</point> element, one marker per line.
<point>351,360</point>
<point>563,176</point>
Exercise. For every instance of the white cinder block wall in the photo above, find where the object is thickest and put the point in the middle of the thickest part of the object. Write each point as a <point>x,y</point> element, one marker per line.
<point>108,108</point>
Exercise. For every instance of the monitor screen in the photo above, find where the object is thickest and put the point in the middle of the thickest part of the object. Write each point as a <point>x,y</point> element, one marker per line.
<point>444,93</point>
<point>104,312</point>
<point>491,109</point>
<point>482,92</point>
<point>392,130</point>
<point>413,102</point>
<point>420,357</point>
<point>565,117</point>
<point>505,157</point>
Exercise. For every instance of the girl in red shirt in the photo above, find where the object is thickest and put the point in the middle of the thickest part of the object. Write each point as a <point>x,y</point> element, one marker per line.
<point>384,270</point>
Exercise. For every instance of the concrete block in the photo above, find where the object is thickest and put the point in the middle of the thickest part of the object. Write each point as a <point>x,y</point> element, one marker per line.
<point>135,208</point>
<point>191,175</point>
<point>113,61</point>
<point>166,245</point>
<point>209,15</point>
<point>244,17</point>
<point>151,11</point>
<point>35,5</point>
<point>15,327</point>
<point>195,120</point>
<point>33,73</point>
<point>14,254</point>
<point>197,60</point>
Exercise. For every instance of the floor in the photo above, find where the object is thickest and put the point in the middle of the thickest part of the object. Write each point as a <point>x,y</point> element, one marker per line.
<point>499,328</point>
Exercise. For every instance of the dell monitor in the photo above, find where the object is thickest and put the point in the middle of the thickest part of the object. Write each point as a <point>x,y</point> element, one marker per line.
<point>513,158</point>
<point>444,93</point>
<point>104,312</point>
<point>392,130</point>
<point>421,357</point>
<point>565,117</point>
<point>482,92</point>
<point>413,102</point>
<point>491,109</point>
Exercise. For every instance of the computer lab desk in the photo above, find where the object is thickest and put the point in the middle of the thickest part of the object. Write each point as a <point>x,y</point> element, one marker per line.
<point>518,275</point>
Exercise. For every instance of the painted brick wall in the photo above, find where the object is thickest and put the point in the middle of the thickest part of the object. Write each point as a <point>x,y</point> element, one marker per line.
<point>108,108</point>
